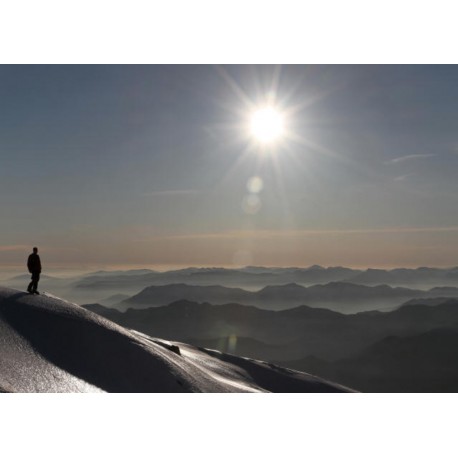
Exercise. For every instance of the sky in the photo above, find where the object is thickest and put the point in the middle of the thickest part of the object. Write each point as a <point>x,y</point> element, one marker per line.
<point>157,166</point>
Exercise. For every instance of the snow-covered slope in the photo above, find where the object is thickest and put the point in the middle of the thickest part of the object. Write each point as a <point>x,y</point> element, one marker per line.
<point>50,345</point>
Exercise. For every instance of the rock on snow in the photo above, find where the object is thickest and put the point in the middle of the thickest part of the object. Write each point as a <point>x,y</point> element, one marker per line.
<point>50,345</point>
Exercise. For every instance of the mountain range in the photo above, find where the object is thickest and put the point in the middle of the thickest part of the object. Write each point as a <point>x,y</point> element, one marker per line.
<point>283,335</point>
<point>410,349</point>
<point>258,277</point>
<point>338,296</point>
<point>102,285</point>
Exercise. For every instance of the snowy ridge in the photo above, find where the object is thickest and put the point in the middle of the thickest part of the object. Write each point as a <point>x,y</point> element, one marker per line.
<point>50,345</point>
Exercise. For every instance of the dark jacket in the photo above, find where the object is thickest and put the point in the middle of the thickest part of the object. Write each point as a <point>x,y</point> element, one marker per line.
<point>34,263</point>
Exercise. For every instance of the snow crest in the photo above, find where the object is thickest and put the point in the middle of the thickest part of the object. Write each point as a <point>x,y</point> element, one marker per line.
<point>50,345</point>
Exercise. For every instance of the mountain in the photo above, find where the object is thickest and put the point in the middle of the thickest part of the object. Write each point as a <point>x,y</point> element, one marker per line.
<point>116,273</point>
<point>293,331</point>
<point>253,277</point>
<point>115,299</point>
<point>419,363</point>
<point>163,295</point>
<point>423,277</point>
<point>50,345</point>
<point>412,348</point>
<point>282,335</point>
<point>427,301</point>
<point>247,277</point>
<point>337,296</point>
<point>97,286</point>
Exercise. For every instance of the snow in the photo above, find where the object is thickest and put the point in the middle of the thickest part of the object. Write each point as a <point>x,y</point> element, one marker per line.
<point>50,345</point>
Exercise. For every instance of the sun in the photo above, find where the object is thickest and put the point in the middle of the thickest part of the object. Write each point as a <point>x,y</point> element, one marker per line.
<point>267,124</point>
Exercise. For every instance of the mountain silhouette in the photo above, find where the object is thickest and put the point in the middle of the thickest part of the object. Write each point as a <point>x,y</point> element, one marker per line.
<point>418,363</point>
<point>338,296</point>
<point>289,334</point>
<point>100,285</point>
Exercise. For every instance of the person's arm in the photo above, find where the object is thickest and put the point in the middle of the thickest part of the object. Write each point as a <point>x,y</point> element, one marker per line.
<point>38,263</point>
<point>29,263</point>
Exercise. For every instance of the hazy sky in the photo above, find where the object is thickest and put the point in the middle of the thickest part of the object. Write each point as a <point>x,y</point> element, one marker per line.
<point>151,165</point>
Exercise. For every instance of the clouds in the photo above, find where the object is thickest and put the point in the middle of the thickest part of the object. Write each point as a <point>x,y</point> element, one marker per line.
<point>403,177</point>
<point>409,157</point>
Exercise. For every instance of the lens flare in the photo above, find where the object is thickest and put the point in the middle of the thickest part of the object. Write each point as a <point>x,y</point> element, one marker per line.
<point>251,204</point>
<point>232,343</point>
<point>255,185</point>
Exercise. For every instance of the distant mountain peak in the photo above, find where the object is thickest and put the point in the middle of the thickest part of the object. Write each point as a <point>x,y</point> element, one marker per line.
<point>316,267</point>
<point>287,286</point>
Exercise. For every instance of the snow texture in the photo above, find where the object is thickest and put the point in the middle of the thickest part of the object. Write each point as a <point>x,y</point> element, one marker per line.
<point>51,345</point>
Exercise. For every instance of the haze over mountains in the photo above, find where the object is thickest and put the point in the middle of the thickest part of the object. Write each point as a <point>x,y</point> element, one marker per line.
<point>103,285</point>
<point>258,277</point>
<point>339,296</point>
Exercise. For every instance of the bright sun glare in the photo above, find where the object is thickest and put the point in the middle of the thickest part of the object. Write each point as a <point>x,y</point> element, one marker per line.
<point>267,125</point>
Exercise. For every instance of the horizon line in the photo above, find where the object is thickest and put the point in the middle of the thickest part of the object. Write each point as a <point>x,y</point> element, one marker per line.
<point>169,268</point>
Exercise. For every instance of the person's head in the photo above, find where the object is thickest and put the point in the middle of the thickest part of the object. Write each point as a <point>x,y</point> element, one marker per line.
<point>35,249</point>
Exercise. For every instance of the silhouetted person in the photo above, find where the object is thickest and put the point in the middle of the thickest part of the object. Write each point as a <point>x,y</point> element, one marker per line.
<point>34,266</point>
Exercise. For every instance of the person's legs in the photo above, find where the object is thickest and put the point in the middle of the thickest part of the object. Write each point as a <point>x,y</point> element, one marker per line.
<point>35,279</point>
<point>29,288</point>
